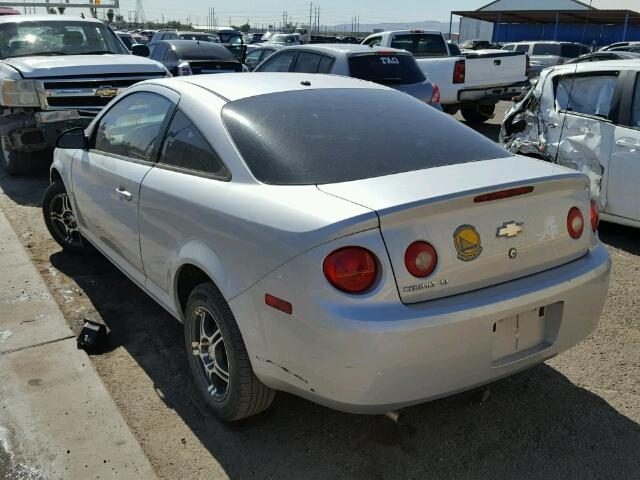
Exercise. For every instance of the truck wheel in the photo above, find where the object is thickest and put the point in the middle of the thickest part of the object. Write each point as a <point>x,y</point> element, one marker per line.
<point>218,358</point>
<point>60,219</point>
<point>478,113</point>
<point>14,162</point>
<point>450,109</point>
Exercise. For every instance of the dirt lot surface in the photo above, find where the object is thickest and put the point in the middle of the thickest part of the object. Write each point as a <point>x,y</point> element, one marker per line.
<point>577,416</point>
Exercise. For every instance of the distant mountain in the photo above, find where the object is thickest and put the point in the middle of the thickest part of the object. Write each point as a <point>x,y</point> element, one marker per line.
<point>426,25</point>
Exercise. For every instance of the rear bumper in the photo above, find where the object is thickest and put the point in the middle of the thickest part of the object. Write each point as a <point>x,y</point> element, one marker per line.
<point>40,130</point>
<point>492,95</point>
<point>372,360</point>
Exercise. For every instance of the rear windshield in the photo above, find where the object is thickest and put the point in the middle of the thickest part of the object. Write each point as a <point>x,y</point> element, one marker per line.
<point>386,69</point>
<point>421,44</point>
<point>337,135</point>
<point>546,49</point>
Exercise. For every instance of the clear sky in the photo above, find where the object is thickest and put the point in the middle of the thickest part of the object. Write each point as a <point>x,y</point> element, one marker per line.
<point>332,12</point>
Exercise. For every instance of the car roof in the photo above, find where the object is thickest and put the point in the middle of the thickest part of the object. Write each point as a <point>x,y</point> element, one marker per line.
<point>236,86</point>
<point>604,65</point>
<point>45,18</point>
<point>343,48</point>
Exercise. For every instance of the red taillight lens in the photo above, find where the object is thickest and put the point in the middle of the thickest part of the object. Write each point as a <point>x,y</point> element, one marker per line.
<point>594,213</point>
<point>435,96</point>
<point>351,269</point>
<point>459,71</point>
<point>420,259</point>
<point>575,223</point>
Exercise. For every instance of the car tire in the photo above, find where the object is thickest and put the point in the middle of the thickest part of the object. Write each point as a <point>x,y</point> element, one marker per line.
<point>14,162</point>
<point>60,219</point>
<point>450,109</point>
<point>478,113</point>
<point>216,351</point>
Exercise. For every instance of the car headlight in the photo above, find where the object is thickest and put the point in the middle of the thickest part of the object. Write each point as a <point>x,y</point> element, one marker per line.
<point>19,93</point>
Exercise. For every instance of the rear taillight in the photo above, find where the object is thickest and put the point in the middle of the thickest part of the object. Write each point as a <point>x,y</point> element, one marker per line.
<point>594,213</point>
<point>184,69</point>
<point>351,269</point>
<point>459,71</point>
<point>435,96</point>
<point>528,70</point>
<point>420,259</point>
<point>575,223</point>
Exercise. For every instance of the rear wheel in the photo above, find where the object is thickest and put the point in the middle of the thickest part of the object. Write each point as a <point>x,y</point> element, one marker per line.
<point>478,113</point>
<point>218,358</point>
<point>60,219</point>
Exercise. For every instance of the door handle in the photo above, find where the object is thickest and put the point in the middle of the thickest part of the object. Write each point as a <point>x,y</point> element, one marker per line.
<point>628,143</point>
<point>552,125</point>
<point>124,195</point>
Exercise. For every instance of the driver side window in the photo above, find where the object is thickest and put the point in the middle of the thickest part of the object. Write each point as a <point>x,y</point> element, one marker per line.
<point>132,127</point>
<point>374,42</point>
<point>279,63</point>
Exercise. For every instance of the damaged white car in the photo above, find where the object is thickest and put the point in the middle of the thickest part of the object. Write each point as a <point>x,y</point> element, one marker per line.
<point>586,117</point>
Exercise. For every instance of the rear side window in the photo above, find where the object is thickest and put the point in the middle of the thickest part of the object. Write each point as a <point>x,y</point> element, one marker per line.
<point>373,42</point>
<point>588,95</point>
<point>522,48</point>
<point>386,69</point>
<point>635,109</point>
<point>186,148</point>
<point>279,63</point>
<point>424,45</point>
<point>325,64</point>
<point>307,62</point>
<point>546,49</point>
<point>336,135</point>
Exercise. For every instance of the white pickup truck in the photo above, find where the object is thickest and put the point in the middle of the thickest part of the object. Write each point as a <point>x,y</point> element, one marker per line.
<point>57,72</point>
<point>473,82</point>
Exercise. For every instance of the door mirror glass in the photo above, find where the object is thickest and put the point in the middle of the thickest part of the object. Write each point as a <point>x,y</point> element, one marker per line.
<point>140,50</point>
<point>73,139</point>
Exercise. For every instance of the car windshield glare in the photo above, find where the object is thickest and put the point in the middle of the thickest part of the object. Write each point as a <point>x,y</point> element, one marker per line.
<point>338,135</point>
<point>57,38</point>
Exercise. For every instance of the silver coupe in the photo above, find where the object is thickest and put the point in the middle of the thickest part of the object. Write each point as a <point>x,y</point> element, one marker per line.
<point>330,237</point>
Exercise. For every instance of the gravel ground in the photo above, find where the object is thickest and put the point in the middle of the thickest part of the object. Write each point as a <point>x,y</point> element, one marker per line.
<point>576,416</point>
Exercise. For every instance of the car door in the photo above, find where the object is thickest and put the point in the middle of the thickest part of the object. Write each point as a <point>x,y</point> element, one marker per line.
<point>586,111</point>
<point>188,177</point>
<point>623,182</point>
<point>106,178</point>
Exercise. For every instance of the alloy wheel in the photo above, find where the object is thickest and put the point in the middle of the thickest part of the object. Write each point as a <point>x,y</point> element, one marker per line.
<point>208,345</point>
<point>64,221</point>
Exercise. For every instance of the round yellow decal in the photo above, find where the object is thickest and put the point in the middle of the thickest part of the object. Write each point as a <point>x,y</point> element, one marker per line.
<point>467,242</point>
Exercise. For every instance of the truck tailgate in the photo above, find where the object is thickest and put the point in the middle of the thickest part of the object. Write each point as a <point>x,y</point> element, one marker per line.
<point>484,69</point>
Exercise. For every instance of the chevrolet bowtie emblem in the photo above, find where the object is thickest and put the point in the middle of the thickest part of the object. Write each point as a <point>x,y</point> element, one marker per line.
<point>510,229</point>
<point>106,92</point>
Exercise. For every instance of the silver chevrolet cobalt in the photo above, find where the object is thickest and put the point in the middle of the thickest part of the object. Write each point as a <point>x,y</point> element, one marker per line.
<point>330,237</point>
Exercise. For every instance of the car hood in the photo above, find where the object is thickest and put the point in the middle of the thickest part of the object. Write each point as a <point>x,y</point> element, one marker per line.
<point>69,65</point>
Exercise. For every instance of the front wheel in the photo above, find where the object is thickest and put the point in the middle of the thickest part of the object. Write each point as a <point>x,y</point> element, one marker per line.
<point>218,358</point>
<point>60,219</point>
<point>17,163</point>
<point>478,113</point>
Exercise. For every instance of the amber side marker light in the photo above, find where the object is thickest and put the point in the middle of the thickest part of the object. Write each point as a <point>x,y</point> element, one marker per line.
<point>501,194</point>
<point>278,304</point>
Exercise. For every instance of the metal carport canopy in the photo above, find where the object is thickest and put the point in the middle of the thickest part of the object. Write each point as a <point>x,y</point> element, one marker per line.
<point>597,17</point>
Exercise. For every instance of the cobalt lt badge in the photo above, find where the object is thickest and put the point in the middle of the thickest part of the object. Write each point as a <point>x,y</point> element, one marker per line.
<point>467,242</point>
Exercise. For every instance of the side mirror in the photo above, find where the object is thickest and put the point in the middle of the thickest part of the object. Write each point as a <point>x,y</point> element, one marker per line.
<point>73,139</point>
<point>140,50</point>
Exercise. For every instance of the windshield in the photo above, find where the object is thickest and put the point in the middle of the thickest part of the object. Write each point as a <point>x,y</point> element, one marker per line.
<point>386,69</point>
<point>546,49</point>
<point>334,135</point>
<point>57,38</point>
<point>421,45</point>
<point>290,39</point>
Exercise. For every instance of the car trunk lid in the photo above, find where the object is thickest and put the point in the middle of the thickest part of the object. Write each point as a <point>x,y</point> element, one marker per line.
<point>479,243</point>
